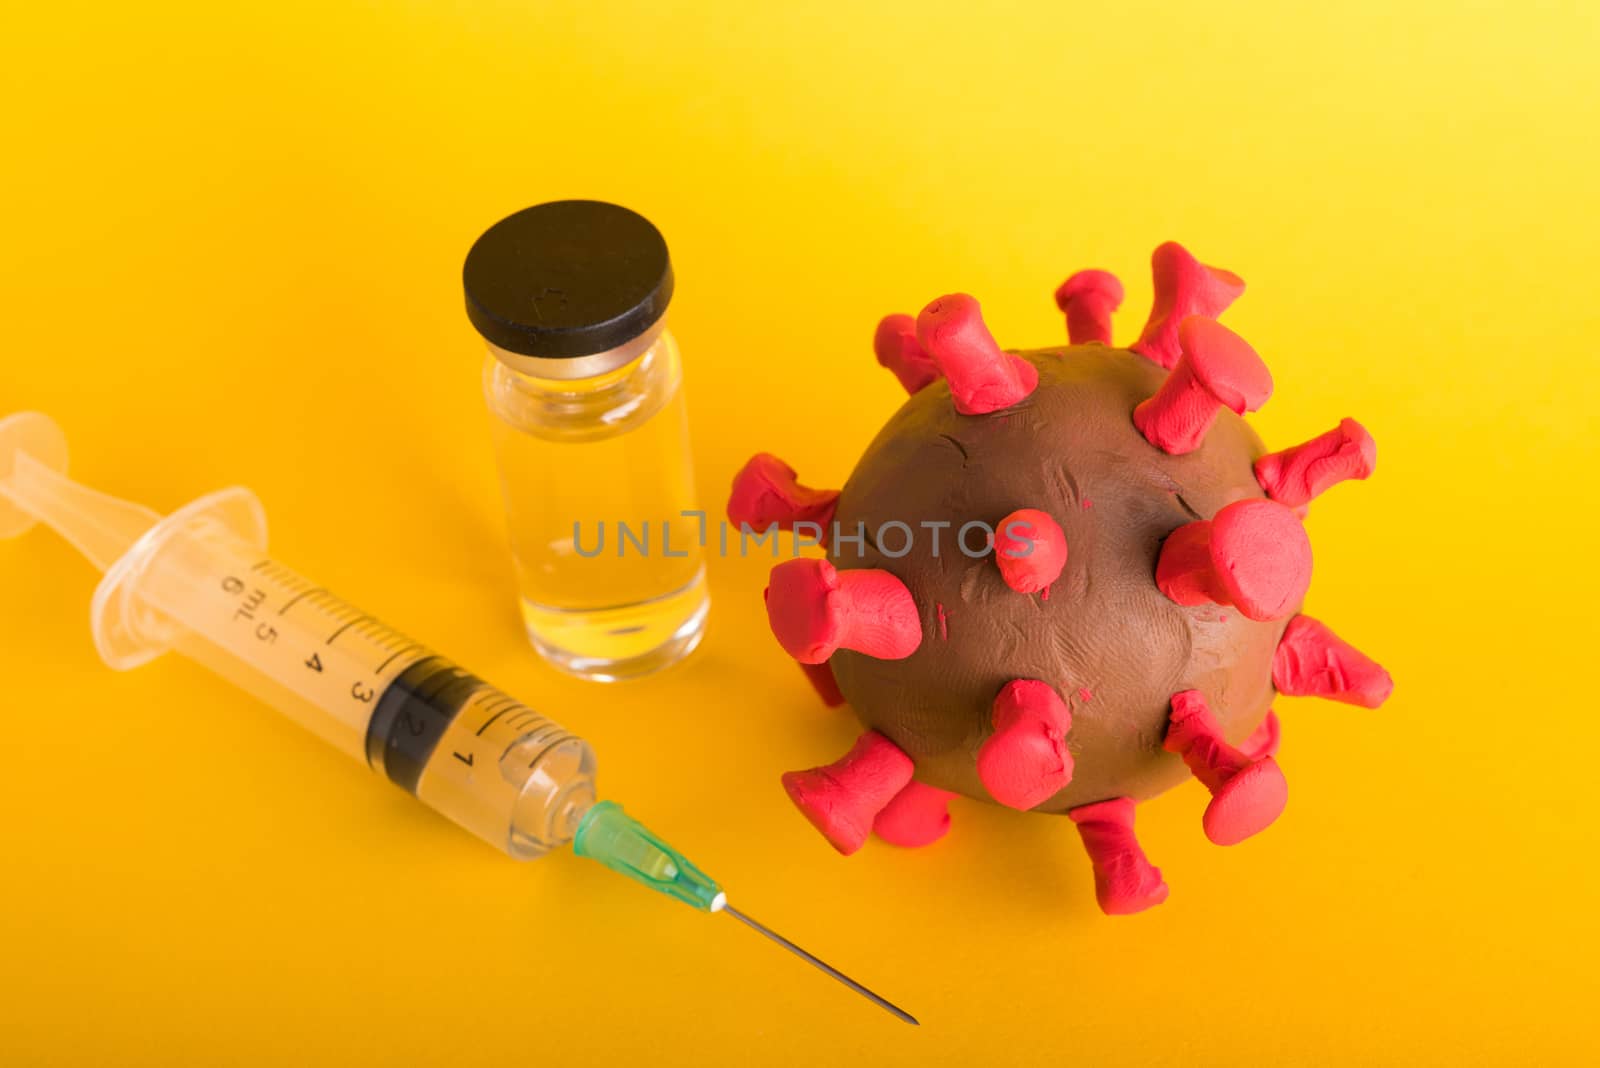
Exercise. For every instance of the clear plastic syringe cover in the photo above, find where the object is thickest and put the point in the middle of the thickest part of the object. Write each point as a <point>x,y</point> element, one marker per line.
<point>199,580</point>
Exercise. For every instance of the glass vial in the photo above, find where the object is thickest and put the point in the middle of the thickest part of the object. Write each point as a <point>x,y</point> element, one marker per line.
<point>585,388</point>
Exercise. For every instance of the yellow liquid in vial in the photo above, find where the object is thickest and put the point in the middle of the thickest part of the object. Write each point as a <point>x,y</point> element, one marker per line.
<point>610,570</point>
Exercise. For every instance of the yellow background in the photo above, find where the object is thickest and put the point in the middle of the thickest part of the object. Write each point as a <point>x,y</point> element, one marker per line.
<point>232,236</point>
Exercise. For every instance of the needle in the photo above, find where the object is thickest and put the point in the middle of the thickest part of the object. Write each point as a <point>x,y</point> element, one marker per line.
<point>883,1003</point>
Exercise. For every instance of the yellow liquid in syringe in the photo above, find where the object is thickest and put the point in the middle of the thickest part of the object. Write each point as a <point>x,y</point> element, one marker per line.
<point>462,747</point>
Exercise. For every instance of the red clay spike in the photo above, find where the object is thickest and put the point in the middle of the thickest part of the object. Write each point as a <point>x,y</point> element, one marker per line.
<point>1254,554</point>
<point>1088,298</point>
<point>1025,761</point>
<point>982,378</point>
<point>1030,550</point>
<point>843,798</point>
<point>815,610</point>
<point>897,348</point>
<point>918,815</point>
<point>1125,881</point>
<point>1296,475</point>
<point>1264,740</point>
<point>1218,370</point>
<point>766,492</point>
<point>821,678</point>
<point>1246,795</point>
<point>1184,571</point>
<point>1313,661</point>
<point>1184,287</point>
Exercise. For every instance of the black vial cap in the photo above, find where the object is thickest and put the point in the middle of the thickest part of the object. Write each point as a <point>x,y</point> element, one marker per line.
<point>568,278</point>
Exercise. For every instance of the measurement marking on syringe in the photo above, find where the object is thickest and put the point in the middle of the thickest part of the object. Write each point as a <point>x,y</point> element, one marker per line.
<point>505,704</point>
<point>335,609</point>
<point>335,635</point>
<point>296,598</point>
<point>403,649</point>
<point>520,740</point>
<point>259,564</point>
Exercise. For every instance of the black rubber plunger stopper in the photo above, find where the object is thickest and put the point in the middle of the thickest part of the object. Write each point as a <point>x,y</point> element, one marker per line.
<point>569,278</point>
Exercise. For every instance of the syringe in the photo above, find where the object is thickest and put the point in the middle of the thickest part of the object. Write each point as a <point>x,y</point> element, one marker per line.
<point>199,581</point>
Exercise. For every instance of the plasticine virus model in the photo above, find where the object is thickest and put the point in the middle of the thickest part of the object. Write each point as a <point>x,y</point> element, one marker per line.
<point>1130,613</point>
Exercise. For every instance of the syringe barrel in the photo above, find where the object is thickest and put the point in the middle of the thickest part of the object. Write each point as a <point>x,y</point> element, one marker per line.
<point>200,581</point>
